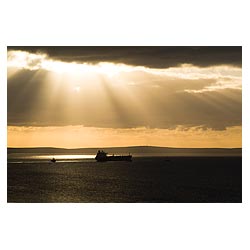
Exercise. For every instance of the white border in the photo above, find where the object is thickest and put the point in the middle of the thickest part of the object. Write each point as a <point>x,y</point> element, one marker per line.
<point>124,226</point>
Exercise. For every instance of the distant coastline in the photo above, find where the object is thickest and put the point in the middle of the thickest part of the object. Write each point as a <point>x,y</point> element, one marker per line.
<point>135,150</point>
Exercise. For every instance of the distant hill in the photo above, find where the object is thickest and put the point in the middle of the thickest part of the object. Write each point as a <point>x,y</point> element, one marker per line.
<point>136,151</point>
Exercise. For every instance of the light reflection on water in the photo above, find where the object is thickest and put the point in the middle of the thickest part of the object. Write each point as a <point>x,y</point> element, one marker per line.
<point>62,157</point>
<point>145,179</point>
<point>20,157</point>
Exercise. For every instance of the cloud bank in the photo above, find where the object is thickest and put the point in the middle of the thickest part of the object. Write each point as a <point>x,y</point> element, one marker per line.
<point>163,90</point>
<point>148,56</point>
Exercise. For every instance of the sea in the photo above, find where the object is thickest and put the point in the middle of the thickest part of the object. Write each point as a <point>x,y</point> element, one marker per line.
<point>79,178</point>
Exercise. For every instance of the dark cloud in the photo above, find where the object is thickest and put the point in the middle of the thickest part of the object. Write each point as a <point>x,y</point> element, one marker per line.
<point>38,102</point>
<point>150,56</point>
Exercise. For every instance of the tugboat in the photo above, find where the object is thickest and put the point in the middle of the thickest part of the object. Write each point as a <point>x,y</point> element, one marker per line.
<point>102,156</point>
<point>53,160</point>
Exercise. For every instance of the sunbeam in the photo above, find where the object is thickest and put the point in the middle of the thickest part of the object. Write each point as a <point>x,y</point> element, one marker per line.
<point>104,94</point>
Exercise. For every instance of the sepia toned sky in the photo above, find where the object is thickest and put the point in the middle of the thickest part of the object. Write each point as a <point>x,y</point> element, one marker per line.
<point>123,96</point>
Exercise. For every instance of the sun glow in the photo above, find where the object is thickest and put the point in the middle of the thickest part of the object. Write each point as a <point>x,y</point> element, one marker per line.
<point>77,89</point>
<point>79,136</point>
<point>119,99</point>
<point>25,60</point>
<point>225,76</point>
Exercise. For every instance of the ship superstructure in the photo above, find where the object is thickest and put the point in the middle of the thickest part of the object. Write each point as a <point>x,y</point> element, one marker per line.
<point>102,156</point>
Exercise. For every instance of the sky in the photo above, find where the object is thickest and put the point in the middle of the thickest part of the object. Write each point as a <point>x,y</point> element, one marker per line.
<point>75,97</point>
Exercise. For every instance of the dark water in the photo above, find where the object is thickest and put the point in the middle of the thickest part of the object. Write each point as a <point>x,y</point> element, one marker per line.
<point>145,179</point>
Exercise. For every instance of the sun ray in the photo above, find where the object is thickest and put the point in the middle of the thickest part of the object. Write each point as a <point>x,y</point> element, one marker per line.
<point>109,94</point>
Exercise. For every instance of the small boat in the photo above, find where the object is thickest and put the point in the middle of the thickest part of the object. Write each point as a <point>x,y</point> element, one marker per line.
<point>102,156</point>
<point>53,160</point>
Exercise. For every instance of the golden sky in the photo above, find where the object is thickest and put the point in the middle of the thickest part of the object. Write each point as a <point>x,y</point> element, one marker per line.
<point>123,96</point>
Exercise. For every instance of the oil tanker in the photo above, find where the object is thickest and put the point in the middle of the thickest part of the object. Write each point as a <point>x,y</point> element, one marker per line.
<point>102,156</point>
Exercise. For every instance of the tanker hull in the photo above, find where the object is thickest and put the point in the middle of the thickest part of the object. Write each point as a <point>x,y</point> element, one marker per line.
<point>102,157</point>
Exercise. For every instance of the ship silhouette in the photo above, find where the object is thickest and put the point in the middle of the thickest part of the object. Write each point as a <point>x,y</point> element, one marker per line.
<point>53,160</point>
<point>102,156</point>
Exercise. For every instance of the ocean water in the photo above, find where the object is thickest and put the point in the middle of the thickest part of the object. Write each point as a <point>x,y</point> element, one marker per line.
<point>79,178</point>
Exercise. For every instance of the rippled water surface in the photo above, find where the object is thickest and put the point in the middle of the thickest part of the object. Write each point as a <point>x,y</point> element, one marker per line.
<point>145,179</point>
